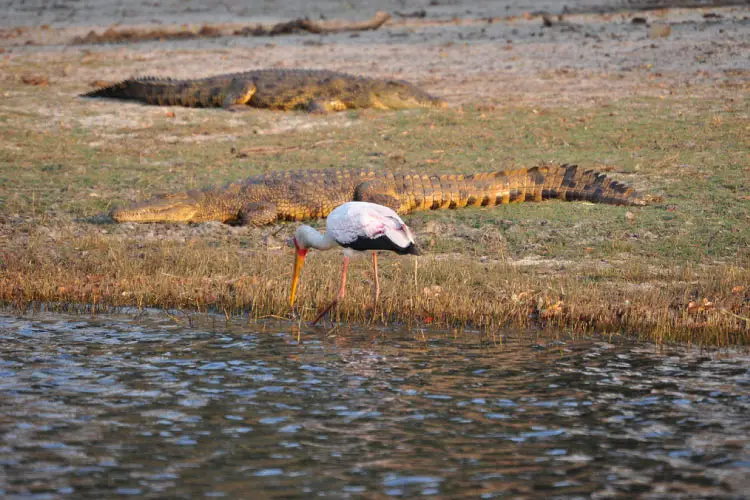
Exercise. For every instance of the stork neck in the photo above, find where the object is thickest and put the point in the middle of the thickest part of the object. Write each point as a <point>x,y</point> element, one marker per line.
<point>309,237</point>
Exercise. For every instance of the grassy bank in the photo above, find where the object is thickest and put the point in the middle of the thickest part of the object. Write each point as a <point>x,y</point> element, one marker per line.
<point>673,271</point>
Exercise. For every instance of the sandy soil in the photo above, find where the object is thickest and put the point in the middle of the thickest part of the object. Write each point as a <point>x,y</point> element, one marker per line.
<point>455,51</point>
<point>103,12</point>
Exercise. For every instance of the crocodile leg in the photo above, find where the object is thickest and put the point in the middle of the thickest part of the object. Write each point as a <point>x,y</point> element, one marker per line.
<point>258,213</point>
<point>319,106</point>
<point>239,93</point>
<point>380,192</point>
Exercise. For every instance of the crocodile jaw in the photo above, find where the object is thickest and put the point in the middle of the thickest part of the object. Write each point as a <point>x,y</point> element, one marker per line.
<point>396,94</point>
<point>409,101</point>
<point>172,208</point>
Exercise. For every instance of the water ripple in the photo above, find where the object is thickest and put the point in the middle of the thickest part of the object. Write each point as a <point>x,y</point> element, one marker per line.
<point>119,406</point>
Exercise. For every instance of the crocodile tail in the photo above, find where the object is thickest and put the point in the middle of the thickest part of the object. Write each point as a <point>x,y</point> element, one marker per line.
<point>149,90</point>
<point>566,182</point>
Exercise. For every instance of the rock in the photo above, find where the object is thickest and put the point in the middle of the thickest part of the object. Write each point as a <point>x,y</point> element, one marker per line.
<point>659,31</point>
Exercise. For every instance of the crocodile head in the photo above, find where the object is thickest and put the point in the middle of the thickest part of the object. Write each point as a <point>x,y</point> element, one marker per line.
<point>397,94</point>
<point>177,207</point>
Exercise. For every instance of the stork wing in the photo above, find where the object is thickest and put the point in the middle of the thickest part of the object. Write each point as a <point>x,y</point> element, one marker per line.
<point>384,222</point>
<point>362,225</point>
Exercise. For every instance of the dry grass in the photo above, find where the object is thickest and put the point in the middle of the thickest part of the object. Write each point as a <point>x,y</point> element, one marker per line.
<point>680,303</point>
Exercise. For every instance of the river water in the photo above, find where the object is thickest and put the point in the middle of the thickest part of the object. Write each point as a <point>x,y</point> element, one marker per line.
<point>151,407</point>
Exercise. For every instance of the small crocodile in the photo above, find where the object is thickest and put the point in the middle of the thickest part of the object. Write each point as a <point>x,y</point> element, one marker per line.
<point>282,89</point>
<point>310,194</point>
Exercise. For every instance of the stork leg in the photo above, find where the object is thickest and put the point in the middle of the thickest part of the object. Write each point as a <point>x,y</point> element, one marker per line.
<point>342,291</point>
<point>377,280</point>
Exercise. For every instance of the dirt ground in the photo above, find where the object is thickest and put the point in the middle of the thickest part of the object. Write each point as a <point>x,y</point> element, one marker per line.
<point>474,53</point>
<point>105,12</point>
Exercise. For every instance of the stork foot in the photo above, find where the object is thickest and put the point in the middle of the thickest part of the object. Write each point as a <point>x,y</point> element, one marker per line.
<point>293,314</point>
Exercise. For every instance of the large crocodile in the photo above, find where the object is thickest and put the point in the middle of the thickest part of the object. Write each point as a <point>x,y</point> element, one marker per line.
<point>310,194</point>
<point>284,89</point>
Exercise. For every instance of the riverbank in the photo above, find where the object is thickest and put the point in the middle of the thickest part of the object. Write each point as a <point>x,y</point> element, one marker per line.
<point>667,114</point>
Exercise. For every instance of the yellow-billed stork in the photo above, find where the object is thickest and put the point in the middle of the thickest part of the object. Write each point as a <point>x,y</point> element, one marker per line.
<point>355,226</point>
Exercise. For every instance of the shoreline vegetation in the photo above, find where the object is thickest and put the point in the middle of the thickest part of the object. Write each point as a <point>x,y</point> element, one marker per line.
<point>673,271</point>
<point>453,291</point>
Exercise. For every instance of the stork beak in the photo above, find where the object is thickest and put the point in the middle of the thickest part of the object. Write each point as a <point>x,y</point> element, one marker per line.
<point>299,260</point>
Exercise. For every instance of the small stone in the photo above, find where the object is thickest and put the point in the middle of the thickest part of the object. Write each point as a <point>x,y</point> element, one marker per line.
<point>659,31</point>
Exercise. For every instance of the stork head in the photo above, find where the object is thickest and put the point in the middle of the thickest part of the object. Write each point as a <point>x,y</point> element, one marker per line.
<point>305,238</point>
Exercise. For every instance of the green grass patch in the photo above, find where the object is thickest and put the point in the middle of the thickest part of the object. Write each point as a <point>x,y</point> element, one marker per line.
<point>64,161</point>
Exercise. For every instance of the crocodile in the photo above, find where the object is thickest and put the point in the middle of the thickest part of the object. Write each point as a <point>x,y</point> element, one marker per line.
<point>282,89</point>
<point>310,194</point>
